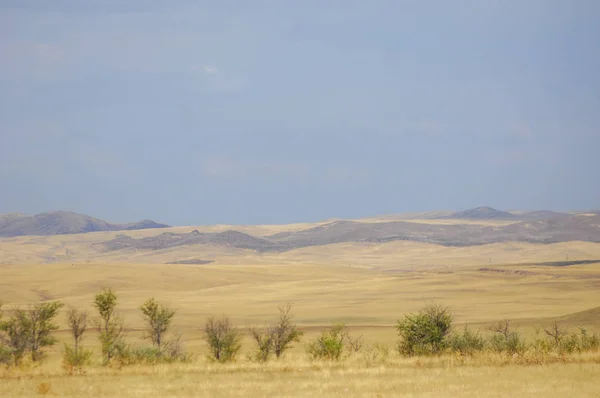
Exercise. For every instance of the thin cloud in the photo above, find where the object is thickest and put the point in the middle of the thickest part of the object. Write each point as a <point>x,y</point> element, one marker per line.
<point>211,70</point>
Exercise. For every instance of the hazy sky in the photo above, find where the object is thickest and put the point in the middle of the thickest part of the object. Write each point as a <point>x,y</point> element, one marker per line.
<point>198,112</point>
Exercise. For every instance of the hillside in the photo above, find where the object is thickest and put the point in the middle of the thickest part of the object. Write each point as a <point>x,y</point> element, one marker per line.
<point>62,222</point>
<point>572,228</point>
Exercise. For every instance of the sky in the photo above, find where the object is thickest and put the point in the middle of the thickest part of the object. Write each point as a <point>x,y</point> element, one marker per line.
<point>252,112</point>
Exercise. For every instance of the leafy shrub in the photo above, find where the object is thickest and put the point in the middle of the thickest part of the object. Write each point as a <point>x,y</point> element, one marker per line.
<point>426,332</point>
<point>466,342</point>
<point>223,340</point>
<point>74,359</point>
<point>329,345</point>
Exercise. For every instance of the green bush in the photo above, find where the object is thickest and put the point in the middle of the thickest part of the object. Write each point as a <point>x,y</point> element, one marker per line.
<point>466,342</point>
<point>426,332</point>
<point>329,345</point>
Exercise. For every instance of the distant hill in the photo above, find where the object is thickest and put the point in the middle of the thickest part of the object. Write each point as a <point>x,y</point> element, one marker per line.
<point>489,213</point>
<point>571,228</point>
<point>483,213</point>
<point>62,222</point>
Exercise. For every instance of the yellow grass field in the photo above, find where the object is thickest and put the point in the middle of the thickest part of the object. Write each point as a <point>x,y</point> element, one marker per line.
<point>367,286</point>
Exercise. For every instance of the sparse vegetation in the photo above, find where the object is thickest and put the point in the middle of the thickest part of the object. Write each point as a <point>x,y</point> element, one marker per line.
<point>366,366</point>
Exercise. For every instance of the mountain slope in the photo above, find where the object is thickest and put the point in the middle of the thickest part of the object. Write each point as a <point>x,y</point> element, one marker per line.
<point>62,222</point>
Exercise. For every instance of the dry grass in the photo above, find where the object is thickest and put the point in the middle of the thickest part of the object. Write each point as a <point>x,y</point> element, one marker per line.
<point>446,376</point>
<point>367,286</point>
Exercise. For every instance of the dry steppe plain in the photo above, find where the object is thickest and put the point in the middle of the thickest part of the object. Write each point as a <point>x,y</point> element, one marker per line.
<point>367,285</point>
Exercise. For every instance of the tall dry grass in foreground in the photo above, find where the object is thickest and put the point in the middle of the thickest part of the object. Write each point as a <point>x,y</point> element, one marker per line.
<point>368,374</point>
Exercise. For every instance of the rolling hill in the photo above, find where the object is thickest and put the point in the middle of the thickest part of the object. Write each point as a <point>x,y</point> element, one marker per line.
<point>572,228</point>
<point>62,222</point>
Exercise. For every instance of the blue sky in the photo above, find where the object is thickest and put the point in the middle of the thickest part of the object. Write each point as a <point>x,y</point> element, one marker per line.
<point>201,112</point>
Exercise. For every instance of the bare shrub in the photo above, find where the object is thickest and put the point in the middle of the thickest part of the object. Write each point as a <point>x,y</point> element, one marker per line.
<point>223,339</point>
<point>277,337</point>
<point>264,343</point>
<point>506,339</point>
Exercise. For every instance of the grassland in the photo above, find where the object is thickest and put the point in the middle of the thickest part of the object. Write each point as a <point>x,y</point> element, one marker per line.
<point>367,286</point>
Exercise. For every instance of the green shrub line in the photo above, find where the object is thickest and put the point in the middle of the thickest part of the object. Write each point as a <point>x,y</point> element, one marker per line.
<point>26,334</point>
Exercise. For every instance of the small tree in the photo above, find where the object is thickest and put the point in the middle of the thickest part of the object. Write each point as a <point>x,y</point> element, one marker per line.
<point>158,320</point>
<point>77,322</point>
<point>277,337</point>
<point>264,342</point>
<point>284,332</point>
<point>110,325</point>
<point>75,357</point>
<point>15,337</point>
<point>30,330</point>
<point>40,327</point>
<point>223,340</point>
<point>424,333</point>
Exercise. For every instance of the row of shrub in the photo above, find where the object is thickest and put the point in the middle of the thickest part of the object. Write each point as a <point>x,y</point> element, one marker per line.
<point>428,332</point>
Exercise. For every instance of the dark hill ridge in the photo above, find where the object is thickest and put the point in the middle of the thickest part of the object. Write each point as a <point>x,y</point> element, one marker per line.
<point>581,228</point>
<point>484,213</point>
<point>169,239</point>
<point>62,222</point>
